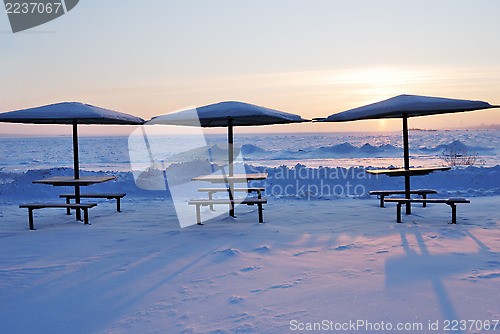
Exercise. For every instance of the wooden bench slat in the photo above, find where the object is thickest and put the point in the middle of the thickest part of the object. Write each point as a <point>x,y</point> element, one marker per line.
<point>413,192</point>
<point>249,190</point>
<point>430,200</point>
<point>96,195</point>
<point>452,201</point>
<point>34,206</point>
<point>227,201</point>
<point>58,205</point>
<point>383,193</point>
<point>234,189</point>
<point>248,201</point>
<point>116,196</point>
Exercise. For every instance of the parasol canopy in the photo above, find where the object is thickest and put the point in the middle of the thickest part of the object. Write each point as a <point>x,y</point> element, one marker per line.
<point>404,106</point>
<point>70,113</point>
<point>222,113</point>
<point>67,113</point>
<point>228,114</point>
<point>409,105</point>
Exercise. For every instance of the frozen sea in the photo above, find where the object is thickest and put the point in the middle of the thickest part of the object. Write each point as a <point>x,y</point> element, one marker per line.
<point>341,149</point>
<point>311,166</point>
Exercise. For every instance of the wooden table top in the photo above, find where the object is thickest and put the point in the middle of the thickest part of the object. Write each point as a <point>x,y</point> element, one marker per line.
<point>71,181</point>
<point>404,172</point>
<point>237,178</point>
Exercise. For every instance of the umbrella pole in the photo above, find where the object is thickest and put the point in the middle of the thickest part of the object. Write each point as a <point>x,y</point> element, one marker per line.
<point>76,167</point>
<point>407,162</point>
<point>230,153</point>
<point>230,146</point>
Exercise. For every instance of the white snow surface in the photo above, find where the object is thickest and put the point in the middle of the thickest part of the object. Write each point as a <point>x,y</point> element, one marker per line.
<point>339,261</point>
<point>411,105</point>
<point>218,114</point>
<point>66,112</point>
<point>319,258</point>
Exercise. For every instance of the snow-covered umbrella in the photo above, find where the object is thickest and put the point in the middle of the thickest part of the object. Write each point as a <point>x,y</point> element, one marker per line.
<point>73,113</point>
<point>405,106</point>
<point>228,114</point>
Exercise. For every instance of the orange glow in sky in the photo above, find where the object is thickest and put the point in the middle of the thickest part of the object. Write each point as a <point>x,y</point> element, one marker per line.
<point>312,60</point>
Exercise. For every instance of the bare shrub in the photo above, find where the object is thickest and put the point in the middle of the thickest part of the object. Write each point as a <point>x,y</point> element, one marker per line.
<point>459,157</point>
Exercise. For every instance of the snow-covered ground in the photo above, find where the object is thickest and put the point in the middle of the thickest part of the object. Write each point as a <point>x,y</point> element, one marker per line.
<point>327,258</point>
<point>321,261</point>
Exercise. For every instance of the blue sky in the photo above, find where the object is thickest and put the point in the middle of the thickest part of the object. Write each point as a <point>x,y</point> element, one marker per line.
<point>313,58</point>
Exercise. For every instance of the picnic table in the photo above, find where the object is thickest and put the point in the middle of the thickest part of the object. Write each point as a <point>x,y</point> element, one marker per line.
<point>383,193</point>
<point>229,181</point>
<point>406,172</point>
<point>71,181</point>
<point>237,178</point>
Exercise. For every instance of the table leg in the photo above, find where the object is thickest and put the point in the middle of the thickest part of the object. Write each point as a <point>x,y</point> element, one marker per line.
<point>453,213</point>
<point>231,206</point>
<point>198,215</point>
<point>30,214</point>
<point>261,218</point>
<point>210,197</point>
<point>398,212</point>
<point>77,201</point>
<point>68,210</point>
<point>86,216</point>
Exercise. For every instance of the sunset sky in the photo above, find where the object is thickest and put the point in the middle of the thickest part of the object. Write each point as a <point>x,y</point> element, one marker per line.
<point>313,58</point>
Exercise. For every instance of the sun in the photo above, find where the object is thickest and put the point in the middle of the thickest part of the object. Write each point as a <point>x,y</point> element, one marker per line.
<point>379,83</point>
<point>382,125</point>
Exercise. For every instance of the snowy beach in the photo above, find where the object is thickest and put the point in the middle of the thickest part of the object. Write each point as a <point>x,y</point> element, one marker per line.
<point>220,167</point>
<point>312,261</point>
<point>324,262</point>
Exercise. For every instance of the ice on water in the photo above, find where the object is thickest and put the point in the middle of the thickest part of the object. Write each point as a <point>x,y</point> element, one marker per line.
<point>316,149</point>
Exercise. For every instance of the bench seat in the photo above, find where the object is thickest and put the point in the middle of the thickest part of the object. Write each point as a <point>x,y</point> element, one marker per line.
<point>248,190</point>
<point>209,202</point>
<point>452,201</point>
<point>116,196</point>
<point>258,190</point>
<point>33,206</point>
<point>383,193</point>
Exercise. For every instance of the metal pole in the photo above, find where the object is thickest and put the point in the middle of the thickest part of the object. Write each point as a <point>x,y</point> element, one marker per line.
<point>75,149</point>
<point>231,158</point>
<point>407,162</point>
<point>76,167</point>
<point>230,145</point>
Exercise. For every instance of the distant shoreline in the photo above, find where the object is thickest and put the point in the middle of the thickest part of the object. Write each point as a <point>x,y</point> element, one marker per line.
<point>21,135</point>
